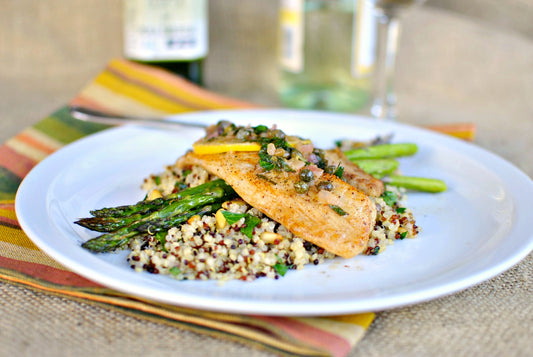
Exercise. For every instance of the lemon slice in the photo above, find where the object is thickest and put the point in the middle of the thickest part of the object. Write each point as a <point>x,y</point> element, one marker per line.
<point>220,146</point>
<point>225,144</point>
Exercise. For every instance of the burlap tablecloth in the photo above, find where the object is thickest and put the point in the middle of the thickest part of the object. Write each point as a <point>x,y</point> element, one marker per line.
<point>451,69</point>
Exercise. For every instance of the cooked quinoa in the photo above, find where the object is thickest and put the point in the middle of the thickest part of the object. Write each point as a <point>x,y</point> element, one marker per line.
<point>210,247</point>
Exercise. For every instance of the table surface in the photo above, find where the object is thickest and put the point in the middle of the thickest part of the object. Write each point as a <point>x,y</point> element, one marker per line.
<point>451,68</point>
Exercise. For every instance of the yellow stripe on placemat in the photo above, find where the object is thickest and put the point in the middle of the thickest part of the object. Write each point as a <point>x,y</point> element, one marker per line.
<point>173,87</point>
<point>348,330</point>
<point>364,320</point>
<point>139,94</point>
<point>117,102</point>
<point>28,255</point>
<point>17,237</point>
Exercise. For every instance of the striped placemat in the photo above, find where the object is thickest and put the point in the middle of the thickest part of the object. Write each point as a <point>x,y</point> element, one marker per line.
<point>128,88</point>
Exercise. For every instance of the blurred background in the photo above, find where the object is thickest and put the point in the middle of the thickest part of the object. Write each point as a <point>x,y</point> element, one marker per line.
<point>50,49</point>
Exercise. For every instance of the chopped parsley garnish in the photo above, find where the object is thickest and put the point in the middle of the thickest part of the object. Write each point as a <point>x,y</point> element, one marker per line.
<point>339,171</point>
<point>280,267</point>
<point>280,143</point>
<point>400,209</point>
<point>338,210</point>
<point>270,162</point>
<point>390,198</point>
<point>265,160</point>
<point>250,222</point>
<point>232,217</point>
<point>157,180</point>
<point>260,129</point>
<point>174,271</point>
<point>403,235</point>
<point>263,177</point>
<point>162,238</point>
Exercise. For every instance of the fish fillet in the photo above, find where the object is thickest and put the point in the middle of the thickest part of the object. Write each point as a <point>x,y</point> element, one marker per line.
<point>312,216</point>
<point>354,175</point>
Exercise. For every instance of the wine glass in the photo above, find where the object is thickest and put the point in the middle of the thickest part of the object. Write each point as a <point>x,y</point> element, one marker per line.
<point>388,13</point>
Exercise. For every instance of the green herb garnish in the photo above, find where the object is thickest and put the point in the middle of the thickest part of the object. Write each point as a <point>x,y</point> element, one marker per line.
<point>250,222</point>
<point>339,171</point>
<point>162,238</point>
<point>270,162</point>
<point>338,210</point>
<point>174,271</point>
<point>400,209</point>
<point>260,129</point>
<point>265,160</point>
<point>390,198</point>
<point>263,177</point>
<point>232,217</point>
<point>280,267</point>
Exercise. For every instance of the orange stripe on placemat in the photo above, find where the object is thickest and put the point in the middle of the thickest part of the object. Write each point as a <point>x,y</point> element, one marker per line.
<point>335,344</point>
<point>15,162</point>
<point>8,222</point>
<point>7,205</point>
<point>47,273</point>
<point>35,143</point>
<point>465,131</point>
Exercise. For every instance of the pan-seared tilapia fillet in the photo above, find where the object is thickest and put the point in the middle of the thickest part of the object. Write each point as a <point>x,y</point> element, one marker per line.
<point>339,220</point>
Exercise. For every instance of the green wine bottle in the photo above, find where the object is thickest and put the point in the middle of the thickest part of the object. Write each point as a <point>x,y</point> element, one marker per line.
<point>171,34</point>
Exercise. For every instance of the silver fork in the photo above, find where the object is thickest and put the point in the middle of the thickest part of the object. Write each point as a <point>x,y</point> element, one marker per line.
<point>96,116</point>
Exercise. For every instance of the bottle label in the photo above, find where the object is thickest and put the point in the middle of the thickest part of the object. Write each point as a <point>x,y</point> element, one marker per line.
<point>292,35</point>
<point>162,30</point>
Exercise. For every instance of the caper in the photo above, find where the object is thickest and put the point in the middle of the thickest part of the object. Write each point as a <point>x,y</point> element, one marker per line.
<point>325,185</point>
<point>301,187</point>
<point>306,175</point>
<point>276,133</point>
<point>295,154</point>
<point>243,133</point>
<point>330,169</point>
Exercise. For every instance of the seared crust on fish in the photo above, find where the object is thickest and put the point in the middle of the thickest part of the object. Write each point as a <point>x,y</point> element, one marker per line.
<point>354,175</point>
<point>339,220</point>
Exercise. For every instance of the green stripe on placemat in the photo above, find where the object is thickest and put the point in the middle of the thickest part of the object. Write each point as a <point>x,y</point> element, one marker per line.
<point>9,184</point>
<point>66,129</point>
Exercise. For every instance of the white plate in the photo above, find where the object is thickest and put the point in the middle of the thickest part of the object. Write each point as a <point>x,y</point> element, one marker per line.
<point>477,229</point>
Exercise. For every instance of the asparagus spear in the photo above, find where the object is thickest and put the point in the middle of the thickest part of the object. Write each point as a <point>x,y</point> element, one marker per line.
<point>112,241</point>
<point>377,161</point>
<point>173,207</point>
<point>382,151</point>
<point>152,227</point>
<point>416,183</point>
<point>377,167</point>
<point>144,207</point>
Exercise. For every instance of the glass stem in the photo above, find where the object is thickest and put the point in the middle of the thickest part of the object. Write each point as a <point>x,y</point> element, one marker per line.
<point>384,101</point>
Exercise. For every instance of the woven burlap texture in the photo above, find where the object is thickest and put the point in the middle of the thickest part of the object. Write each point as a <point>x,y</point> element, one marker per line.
<point>47,325</point>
